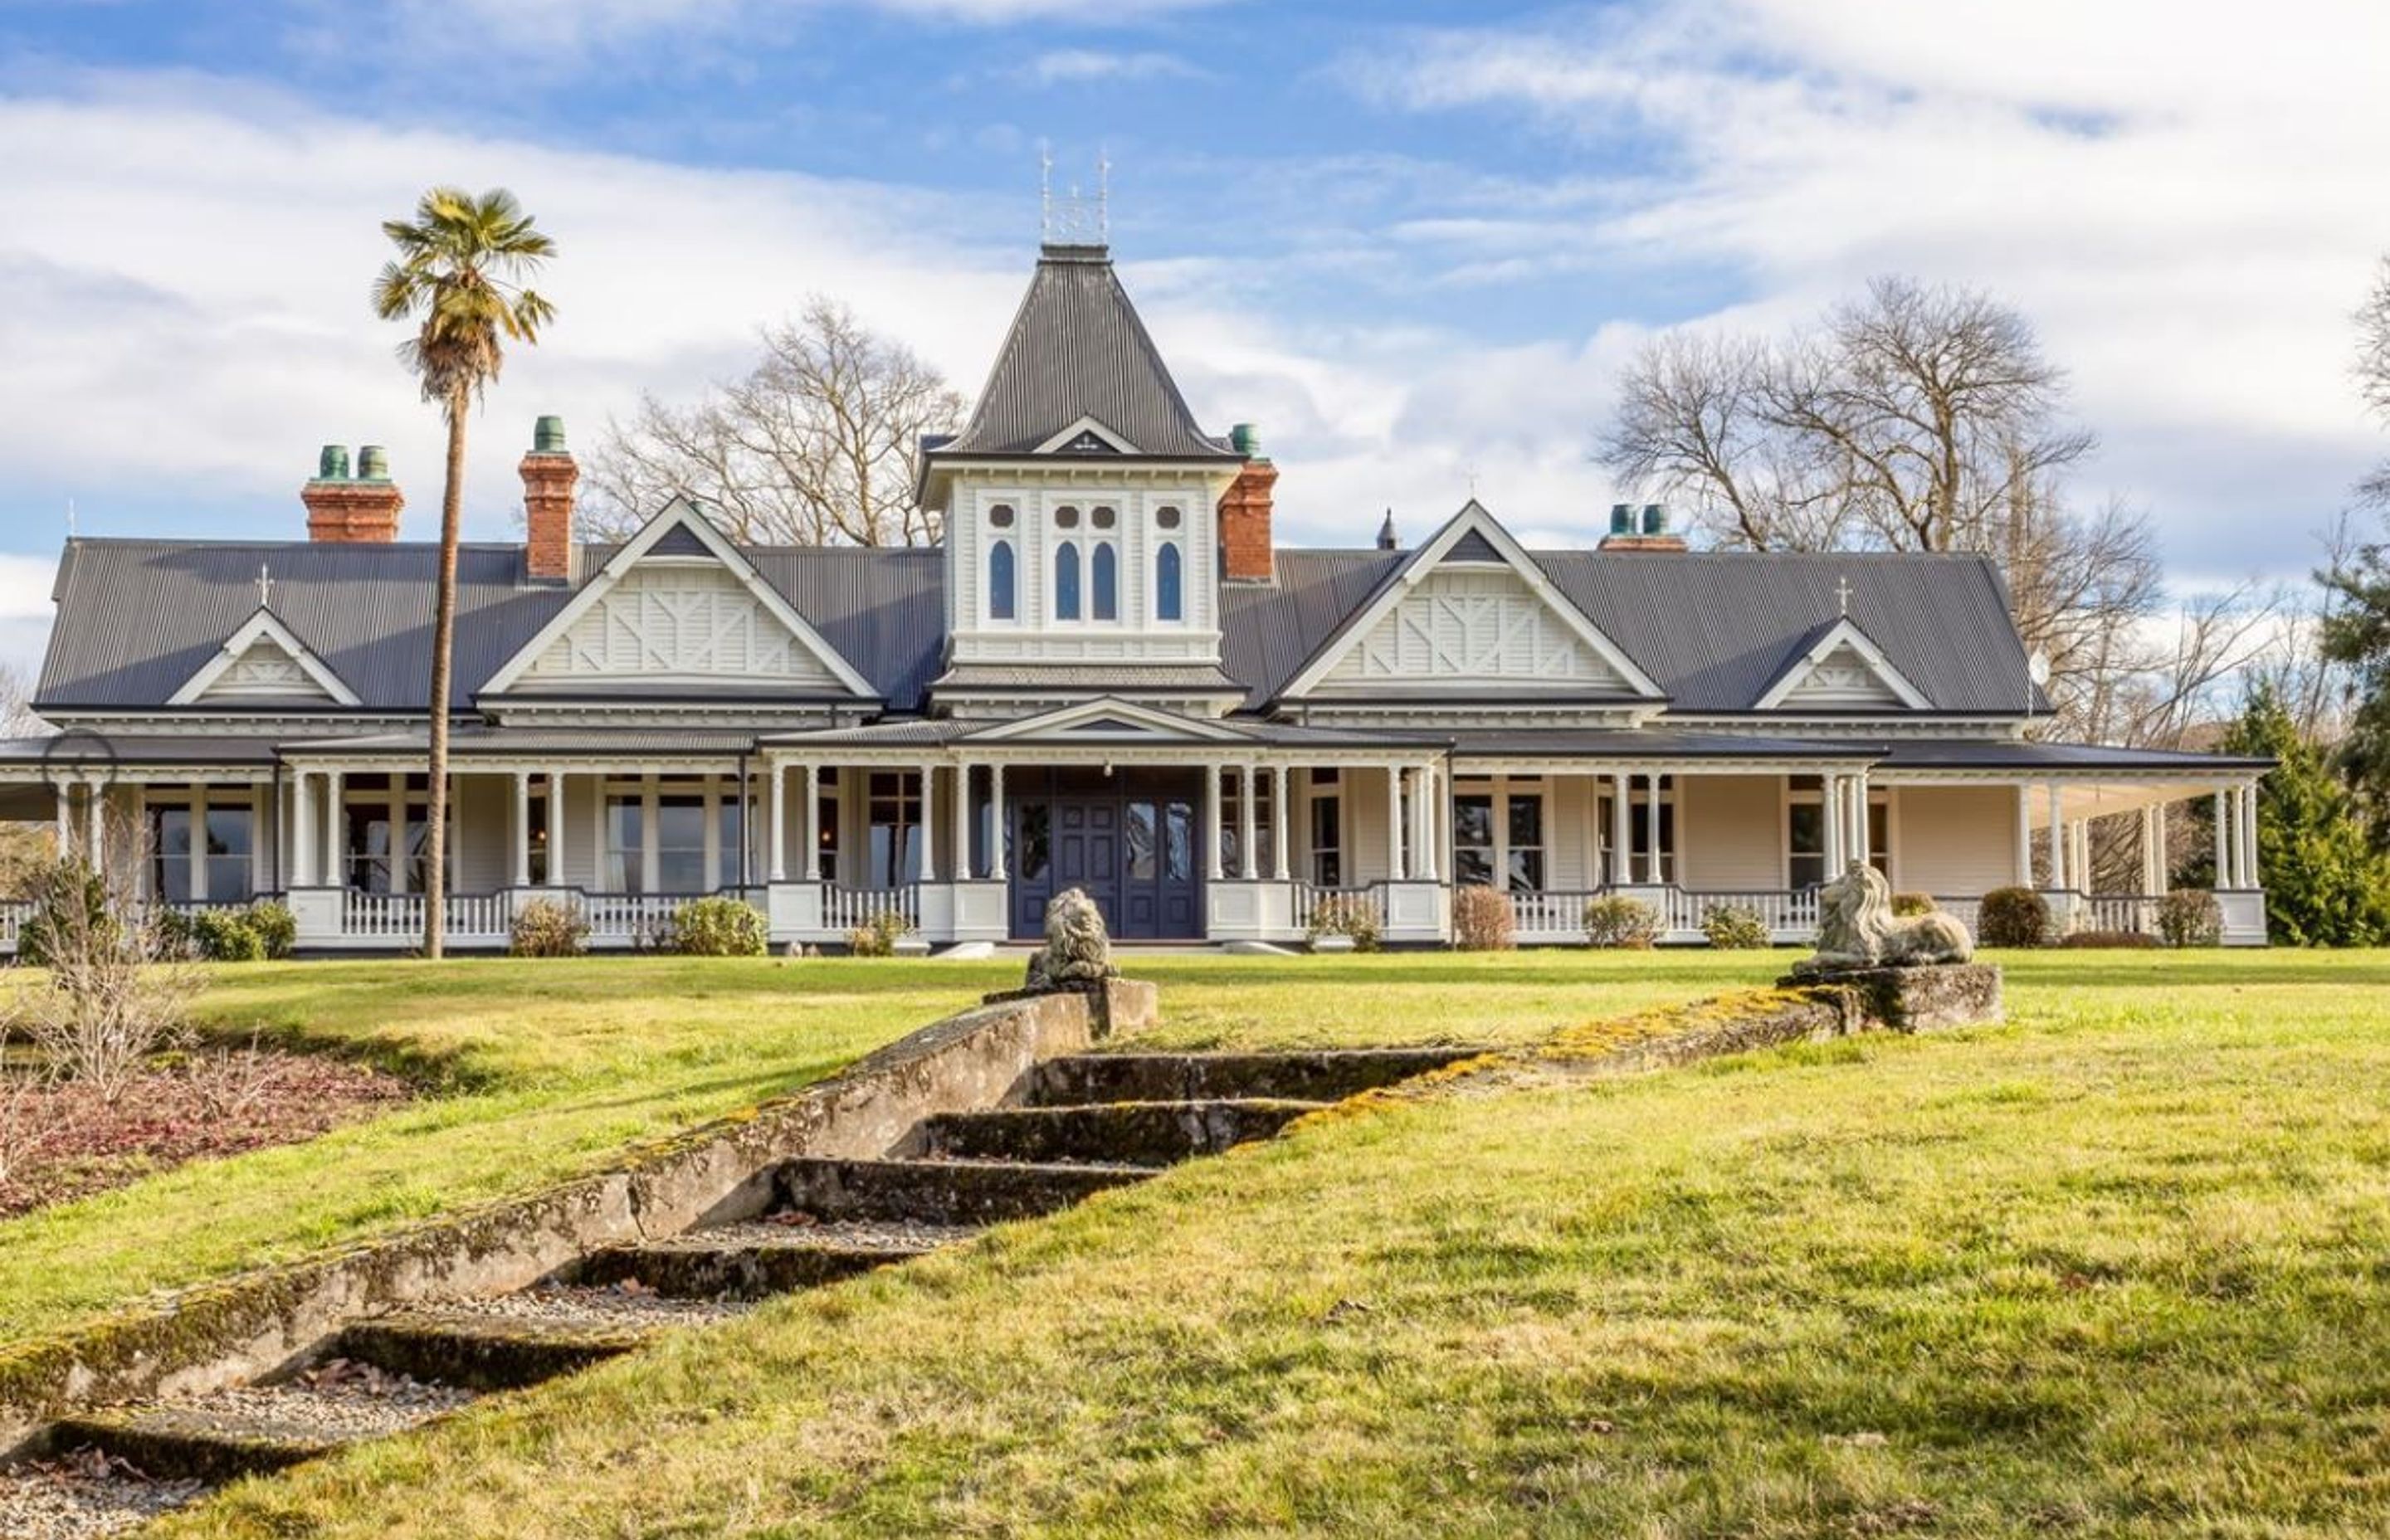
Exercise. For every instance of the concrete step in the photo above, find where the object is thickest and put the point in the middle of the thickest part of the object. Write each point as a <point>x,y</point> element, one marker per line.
<point>254,1430</point>
<point>485,1351</point>
<point>749,1262</point>
<point>942,1192</point>
<point>1327,1075</point>
<point>1133,1133</point>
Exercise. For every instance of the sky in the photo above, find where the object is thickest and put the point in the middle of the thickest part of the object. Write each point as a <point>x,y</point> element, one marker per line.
<point>1413,242</point>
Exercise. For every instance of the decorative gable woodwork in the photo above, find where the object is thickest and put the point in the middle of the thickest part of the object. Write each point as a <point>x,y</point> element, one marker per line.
<point>1842,679</point>
<point>1842,670</point>
<point>263,660</point>
<point>266,668</point>
<point>1467,628</point>
<point>680,621</point>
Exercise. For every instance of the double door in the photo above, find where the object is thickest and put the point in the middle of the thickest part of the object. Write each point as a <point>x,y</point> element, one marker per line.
<point>1127,839</point>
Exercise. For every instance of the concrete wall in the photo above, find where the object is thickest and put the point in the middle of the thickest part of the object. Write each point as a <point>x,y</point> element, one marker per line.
<point>1954,839</point>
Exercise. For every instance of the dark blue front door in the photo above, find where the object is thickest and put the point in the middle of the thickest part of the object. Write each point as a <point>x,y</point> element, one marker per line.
<point>1127,839</point>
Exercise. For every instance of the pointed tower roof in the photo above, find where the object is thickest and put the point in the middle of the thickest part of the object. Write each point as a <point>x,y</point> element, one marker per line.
<point>1077,359</point>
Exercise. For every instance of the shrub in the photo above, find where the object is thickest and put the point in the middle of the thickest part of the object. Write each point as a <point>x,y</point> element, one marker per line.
<point>276,926</point>
<point>177,932</point>
<point>116,993</point>
<point>878,936</point>
<point>2190,917</point>
<point>70,901</point>
<point>1619,920</point>
<point>1910,905</point>
<point>1482,920</point>
<point>2013,916</point>
<point>549,928</point>
<point>226,935</point>
<point>2104,940</point>
<point>1345,915</point>
<point>1732,928</point>
<point>718,927</point>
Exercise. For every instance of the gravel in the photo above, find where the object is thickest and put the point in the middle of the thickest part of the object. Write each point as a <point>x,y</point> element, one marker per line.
<point>616,1304</point>
<point>799,1230</point>
<point>82,1494</point>
<point>336,1401</point>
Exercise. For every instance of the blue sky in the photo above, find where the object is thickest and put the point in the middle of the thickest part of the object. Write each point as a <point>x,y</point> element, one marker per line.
<point>1414,241</point>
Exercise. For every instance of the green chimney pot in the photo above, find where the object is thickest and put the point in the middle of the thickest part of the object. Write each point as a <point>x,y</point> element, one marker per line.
<point>332,465</point>
<point>547,436</point>
<point>373,463</point>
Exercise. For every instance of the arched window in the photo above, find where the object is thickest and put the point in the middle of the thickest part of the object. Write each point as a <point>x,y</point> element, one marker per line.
<point>1167,603</point>
<point>999,581</point>
<point>1107,575</point>
<point>1066,582</point>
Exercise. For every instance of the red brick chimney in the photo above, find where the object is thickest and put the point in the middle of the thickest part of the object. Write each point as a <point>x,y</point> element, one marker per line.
<point>549,478</point>
<point>1247,554</point>
<point>1654,534</point>
<point>360,509</point>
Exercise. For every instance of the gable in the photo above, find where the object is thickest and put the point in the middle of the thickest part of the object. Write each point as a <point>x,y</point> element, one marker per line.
<point>263,660</point>
<point>1466,627</point>
<point>1844,669</point>
<point>1109,720</point>
<point>678,605</point>
<point>674,621</point>
<point>1471,608</point>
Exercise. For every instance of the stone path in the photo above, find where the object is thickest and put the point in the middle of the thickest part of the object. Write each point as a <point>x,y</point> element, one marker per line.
<point>1084,1124</point>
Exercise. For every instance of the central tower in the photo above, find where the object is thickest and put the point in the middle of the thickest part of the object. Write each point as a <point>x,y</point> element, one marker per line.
<point>1081,538</point>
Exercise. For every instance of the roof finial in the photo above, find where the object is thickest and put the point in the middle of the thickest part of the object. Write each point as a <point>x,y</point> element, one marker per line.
<point>1842,594</point>
<point>265,586</point>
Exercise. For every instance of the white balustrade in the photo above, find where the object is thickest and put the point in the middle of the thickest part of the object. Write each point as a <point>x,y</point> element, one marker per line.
<point>851,909</point>
<point>399,917</point>
<point>640,919</point>
<point>1309,899</point>
<point>13,915</point>
<point>1555,916</point>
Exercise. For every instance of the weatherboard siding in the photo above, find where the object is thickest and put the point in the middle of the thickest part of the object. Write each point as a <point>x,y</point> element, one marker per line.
<point>1955,838</point>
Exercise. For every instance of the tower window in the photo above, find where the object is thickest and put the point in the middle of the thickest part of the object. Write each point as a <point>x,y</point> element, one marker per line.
<point>1000,581</point>
<point>1169,603</point>
<point>1066,582</point>
<point>1167,518</point>
<point>1000,516</point>
<point>1107,577</point>
<point>1104,517</point>
<point>1066,517</point>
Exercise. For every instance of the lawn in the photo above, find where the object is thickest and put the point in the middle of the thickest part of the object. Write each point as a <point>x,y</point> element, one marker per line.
<point>2115,1268</point>
<point>538,1071</point>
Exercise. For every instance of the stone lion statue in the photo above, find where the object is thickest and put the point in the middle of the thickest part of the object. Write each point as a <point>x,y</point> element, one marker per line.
<point>1078,950</point>
<point>1856,927</point>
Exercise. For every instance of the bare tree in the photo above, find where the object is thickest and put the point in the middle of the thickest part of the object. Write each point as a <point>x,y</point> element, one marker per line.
<point>2374,374</point>
<point>17,718</point>
<point>814,445</point>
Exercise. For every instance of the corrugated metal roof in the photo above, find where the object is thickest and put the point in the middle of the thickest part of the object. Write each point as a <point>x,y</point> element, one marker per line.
<point>485,742</point>
<point>1977,754</point>
<point>1076,348</point>
<point>88,751</point>
<point>1086,678</point>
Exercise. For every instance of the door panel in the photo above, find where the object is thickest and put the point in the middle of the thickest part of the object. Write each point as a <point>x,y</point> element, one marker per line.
<point>1131,848</point>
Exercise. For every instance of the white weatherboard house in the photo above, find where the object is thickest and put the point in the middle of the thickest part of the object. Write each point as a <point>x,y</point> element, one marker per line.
<point>1107,677</point>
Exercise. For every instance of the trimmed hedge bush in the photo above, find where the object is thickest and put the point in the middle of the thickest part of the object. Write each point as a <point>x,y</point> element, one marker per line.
<point>549,928</point>
<point>1732,928</point>
<point>878,936</point>
<point>1350,915</point>
<point>2121,941</point>
<point>2190,916</point>
<point>1482,920</point>
<point>276,926</point>
<point>720,926</point>
<point>1910,905</point>
<point>2013,917</point>
<point>226,935</point>
<point>1616,920</point>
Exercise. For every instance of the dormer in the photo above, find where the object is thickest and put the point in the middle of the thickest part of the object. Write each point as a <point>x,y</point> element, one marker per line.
<point>1081,500</point>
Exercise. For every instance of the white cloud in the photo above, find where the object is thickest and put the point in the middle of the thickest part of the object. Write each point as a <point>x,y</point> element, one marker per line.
<point>24,611</point>
<point>1078,66</point>
<point>2188,209</point>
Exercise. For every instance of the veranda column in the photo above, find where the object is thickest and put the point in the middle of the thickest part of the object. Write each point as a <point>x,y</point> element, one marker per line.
<point>94,832</point>
<point>810,830</point>
<point>333,844</point>
<point>302,830</point>
<point>1212,790</point>
<point>2057,839</point>
<point>1652,845</point>
<point>2024,837</point>
<point>2163,869</point>
<point>2223,840</point>
<point>522,828</point>
<point>1862,826</point>
<point>1430,802</point>
<point>999,829</point>
<point>556,829</point>
<point>1281,815</point>
<point>1621,833</point>
<point>961,824</point>
<point>1830,803</point>
<point>2248,823</point>
<point>65,796</point>
<point>928,846</point>
<point>775,816</point>
<point>1249,859</point>
<point>1394,823</point>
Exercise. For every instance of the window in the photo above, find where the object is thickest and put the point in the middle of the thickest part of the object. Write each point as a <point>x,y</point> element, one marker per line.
<point>228,869</point>
<point>1104,519</point>
<point>626,842</point>
<point>730,837</point>
<point>1106,563</point>
<point>826,826</point>
<point>1066,582</point>
<point>1498,838</point>
<point>170,854</point>
<point>1000,581</point>
<point>1035,847</point>
<point>1804,834</point>
<point>542,820</point>
<point>1167,518</point>
<point>1233,787</point>
<point>1066,517</point>
<point>896,829</point>
<point>1141,826</point>
<point>1642,825</point>
<point>1168,604</point>
<point>680,844</point>
<point>1001,516</point>
<point>1178,842</point>
<point>378,862</point>
<point>1327,831</point>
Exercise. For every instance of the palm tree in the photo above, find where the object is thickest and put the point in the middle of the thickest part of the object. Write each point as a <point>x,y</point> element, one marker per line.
<point>459,271</point>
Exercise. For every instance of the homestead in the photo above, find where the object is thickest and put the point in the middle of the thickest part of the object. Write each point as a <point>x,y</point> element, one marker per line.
<point>1108,675</point>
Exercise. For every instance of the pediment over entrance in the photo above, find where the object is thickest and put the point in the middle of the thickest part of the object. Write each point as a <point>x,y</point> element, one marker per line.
<point>1108,721</point>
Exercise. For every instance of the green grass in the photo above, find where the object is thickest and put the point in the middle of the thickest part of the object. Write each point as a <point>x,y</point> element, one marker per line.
<point>2116,1268</point>
<point>541,1071</point>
